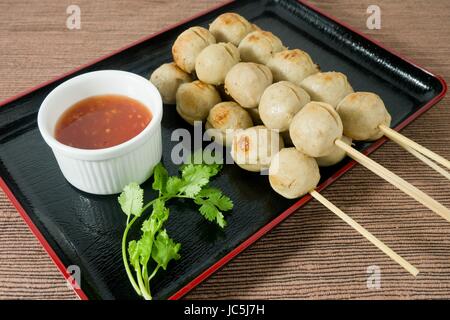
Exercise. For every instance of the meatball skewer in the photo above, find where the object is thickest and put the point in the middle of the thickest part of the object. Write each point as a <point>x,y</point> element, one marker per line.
<point>365,117</point>
<point>317,128</point>
<point>294,174</point>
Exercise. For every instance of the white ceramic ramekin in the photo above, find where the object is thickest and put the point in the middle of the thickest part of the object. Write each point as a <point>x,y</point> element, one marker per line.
<point>104,171</point>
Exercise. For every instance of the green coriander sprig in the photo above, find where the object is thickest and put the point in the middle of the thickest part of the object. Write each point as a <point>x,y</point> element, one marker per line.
<point>155,248</point>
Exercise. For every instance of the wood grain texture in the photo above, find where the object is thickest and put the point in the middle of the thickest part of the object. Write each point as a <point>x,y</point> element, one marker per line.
<point>312,255</point>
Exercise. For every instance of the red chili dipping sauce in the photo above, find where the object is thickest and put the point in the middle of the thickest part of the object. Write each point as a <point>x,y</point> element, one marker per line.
<point>102,121</point>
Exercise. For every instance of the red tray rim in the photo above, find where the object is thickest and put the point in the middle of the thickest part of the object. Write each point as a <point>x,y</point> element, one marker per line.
<point>265,229</point>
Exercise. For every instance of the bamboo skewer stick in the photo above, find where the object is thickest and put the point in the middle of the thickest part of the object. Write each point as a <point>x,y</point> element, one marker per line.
<point>395,180</point>
<point>401,139</point>
<point>366,234</point>
<point>427,161</point>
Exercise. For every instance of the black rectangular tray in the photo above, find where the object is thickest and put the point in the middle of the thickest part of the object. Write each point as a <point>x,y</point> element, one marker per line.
<point>85,230</point>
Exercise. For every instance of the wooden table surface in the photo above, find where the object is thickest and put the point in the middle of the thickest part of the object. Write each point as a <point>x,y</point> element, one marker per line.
<point>312,254</point>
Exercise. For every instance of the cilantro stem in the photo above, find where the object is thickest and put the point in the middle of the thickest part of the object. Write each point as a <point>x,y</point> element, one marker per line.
<point>153,273</point>
<point>125,258</point>
<point>142,286</point>
<point>124,249</point>
<point>164,198</point>
<point>145,275</point>
<point>183,196</point>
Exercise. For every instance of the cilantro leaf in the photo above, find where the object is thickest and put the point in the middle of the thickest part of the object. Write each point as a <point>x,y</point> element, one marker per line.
<point>144,247</point>
<point>131,199</point>
<point>220,220</point>
<point>160,212</point>
<point>211,213</point>
<point>174,185</point>
<point>149,225</point>
<point>208,210</point>
<point>216,197</point>
<point>165,249</point>
<point>149,229</point>
<point>160,175</point>
<point>133,252</point>
<point>195,177</point>
<point>159,215</point>
<point>212,202</point>
<point>211,169</point>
